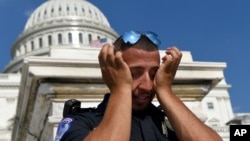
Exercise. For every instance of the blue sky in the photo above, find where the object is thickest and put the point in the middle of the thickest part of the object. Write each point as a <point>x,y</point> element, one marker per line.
<point>213,30</point>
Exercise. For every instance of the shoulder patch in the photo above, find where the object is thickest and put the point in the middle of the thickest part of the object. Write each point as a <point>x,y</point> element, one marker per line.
<point>63,126</point>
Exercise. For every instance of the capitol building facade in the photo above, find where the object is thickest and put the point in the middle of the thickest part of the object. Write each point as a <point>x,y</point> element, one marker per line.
<point>54,60</point>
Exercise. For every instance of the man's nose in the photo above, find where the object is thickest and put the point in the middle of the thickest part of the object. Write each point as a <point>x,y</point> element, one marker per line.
<point>146,82</point>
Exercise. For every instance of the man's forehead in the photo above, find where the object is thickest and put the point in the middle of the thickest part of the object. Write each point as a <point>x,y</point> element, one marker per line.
<point>139,57</point>
<point>139,52</point>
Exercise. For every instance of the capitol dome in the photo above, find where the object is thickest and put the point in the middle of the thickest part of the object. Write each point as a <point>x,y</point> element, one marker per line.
<point>54,11</point>
<point>59,23</point>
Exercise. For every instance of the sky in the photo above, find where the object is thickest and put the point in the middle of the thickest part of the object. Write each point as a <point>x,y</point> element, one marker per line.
<point>212,30</point>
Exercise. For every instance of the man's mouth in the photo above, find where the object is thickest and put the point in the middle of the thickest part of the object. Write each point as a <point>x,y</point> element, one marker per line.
<point>142,99</point>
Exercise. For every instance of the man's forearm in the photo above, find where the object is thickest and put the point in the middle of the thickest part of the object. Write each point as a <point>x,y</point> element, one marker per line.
<point>186,125</point>
<point>116,123</point>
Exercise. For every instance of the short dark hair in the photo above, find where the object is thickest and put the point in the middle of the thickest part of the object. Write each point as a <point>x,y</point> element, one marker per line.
<point>143,43</point>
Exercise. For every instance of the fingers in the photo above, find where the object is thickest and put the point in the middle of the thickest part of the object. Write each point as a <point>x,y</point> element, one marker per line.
<point>110,56</point>
<point>114,70</point>
<point>171,60</point>
<point>118,59</point>
<point>106,55</point>
<point>102,55</point>
<point>172,54</point>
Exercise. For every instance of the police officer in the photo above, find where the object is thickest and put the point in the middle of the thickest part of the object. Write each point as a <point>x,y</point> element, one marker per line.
<point>132,71</point>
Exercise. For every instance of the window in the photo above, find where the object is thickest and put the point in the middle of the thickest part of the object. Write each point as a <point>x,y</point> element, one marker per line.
<point>40,42</point>
<point>90,38</point>
<point>60,10</point>
<point>32,45</point>
<point>90,13</point>
<point>70,37</point>
<point>96,16</point>
<point>210,105</point>
<point>83,11</point>
<point>52,11</point>
<point>45,14</point>
<point>59,38</point>
<point>50,40</point>
<point>75,9</point>
<point>80,38</point>
<point>25,49</point>
<point>68,10</point>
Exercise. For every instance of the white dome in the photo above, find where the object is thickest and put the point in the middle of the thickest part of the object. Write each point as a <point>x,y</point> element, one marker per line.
<point>66,10</point>
<point>63,24</point>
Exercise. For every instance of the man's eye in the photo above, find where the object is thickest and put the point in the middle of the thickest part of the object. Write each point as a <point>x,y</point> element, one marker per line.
<point>136,74</point>
<point>153,73</point>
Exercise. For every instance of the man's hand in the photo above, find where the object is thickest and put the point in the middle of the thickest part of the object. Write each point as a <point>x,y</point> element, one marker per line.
<point>167,70</point>
<point>116,75</point>
<point>115,71</point>
<point>185,124</point>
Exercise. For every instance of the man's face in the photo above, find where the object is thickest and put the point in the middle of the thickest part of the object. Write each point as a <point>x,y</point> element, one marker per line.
<point>143,66</point>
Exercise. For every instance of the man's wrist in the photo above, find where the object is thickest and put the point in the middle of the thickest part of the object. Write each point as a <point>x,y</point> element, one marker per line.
<point>122,89</point>
<point>163,91</point>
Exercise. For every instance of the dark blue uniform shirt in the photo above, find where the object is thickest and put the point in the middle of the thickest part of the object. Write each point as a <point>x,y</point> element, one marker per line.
<point>148,125</point>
